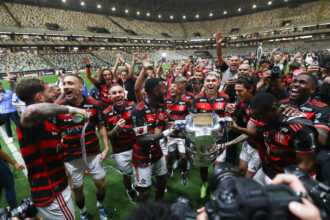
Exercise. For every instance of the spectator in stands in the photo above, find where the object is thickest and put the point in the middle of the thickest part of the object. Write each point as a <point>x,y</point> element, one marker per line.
<point>8,111</point>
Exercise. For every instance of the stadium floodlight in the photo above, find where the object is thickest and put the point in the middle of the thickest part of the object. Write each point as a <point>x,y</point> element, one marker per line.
<point>82,3</point>
<point>126,11</point>
<point>270,2</point>
<point>138,12</point>
<point>63,1</point>
<point>171,17</point>
<point>211,14</point>
<point>113,9</point>
<point>99,6</point>
<point>197,16</point>
<point>159,16</point>
<point>254,6</point>
<point>184,17</point>
<point>148,14</point>
<point>239,9</point>
<point>225,12</point>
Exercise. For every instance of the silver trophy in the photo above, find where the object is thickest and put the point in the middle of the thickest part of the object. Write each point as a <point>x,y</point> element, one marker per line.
<point>204,130</point>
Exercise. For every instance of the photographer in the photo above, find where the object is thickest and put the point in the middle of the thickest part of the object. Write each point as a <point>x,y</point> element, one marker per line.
<point>305,210</point>
<point>276,84</point>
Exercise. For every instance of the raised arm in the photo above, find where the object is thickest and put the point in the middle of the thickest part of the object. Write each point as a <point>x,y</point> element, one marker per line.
<point>140,79</point>
<point>115,68</point>
<point>159,70</point>
<point>88,71</point>
<point>131,69</point>
<point>219,40</point>
<point>36,113</point>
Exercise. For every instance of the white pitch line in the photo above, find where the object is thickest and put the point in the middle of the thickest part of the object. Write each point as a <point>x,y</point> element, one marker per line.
<point>14,150</point>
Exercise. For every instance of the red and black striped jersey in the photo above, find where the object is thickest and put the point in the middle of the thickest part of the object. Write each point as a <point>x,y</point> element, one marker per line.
<point>72,131</point>
<point>178,109</point>
<point>147,120</point>
<point>125,138</point>
<point>41,150</point>
<point>104,95</point>
<point>317,112</point>
<point>288,79</point>
<point>202,104</point>
<point>283,142</point>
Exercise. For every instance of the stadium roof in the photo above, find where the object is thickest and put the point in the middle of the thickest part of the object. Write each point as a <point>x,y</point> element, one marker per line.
<point>165,10</point>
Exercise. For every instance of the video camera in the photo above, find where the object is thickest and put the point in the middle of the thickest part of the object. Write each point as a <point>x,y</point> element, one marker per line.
<point>237,198</point>
<point>276,72</point>
<point>25,210</point>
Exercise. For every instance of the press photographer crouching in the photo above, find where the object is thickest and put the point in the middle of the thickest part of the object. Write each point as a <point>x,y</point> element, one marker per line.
<point>235,197</point>
<point>24,211</point>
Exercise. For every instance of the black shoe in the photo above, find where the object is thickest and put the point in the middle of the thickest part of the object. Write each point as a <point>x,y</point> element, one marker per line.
<point>132,195</point>
<point>184,178</point>
<point>170,173</point>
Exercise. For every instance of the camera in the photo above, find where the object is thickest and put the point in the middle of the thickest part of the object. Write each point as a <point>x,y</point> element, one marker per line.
<point>237,198</point>
<point>194,81</point>
<point>25,210</point>
<point>319,192</point>
<point>275,72</point>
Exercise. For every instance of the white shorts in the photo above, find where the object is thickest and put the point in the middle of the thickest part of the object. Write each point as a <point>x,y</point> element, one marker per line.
<point>176,143</point>
<point>143,174</point>
<point>222,157</point>
<point>262,178</point>
<point>77,168</point>
<point>124,161</point>
<point>163,145</point>
<point>60,208</point>
<point>251,156</point>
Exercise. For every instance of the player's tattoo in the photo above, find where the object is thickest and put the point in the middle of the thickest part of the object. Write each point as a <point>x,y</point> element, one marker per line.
<point>36,113</point>
<point>237,140</point>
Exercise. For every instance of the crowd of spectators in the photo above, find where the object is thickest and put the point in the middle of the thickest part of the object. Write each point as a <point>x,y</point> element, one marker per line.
<point>37,17</point>
<point>72,60</point>
<point>21,61</point>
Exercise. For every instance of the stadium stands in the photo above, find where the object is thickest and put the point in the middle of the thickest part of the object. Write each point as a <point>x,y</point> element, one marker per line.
<point>16,62</point>
<point>37,17</point>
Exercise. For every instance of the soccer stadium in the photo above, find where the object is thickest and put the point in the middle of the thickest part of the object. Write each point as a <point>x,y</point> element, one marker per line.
<point>115,109</point>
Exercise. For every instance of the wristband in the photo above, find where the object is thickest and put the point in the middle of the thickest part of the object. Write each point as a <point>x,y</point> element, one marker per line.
<point>88,66</point>
<point>71,109</point>
<point>167,132</point>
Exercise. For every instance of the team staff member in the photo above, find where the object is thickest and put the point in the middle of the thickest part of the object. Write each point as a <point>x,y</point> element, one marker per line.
<point>211,101</point>
<point>40,143</point>
<point>150,124</point>
<point>121,135</point>
<point>7,178</point>
<point>177,108</point>
<point>287,140</point>
<point>105,79</point>
<point>83,152</point>
<point>302,88</point>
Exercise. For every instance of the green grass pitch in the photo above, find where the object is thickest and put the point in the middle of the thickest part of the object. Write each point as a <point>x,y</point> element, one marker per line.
<point>116,202</point>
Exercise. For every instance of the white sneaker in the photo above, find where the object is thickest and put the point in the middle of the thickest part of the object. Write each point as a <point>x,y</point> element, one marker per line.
<point>10,140</point>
